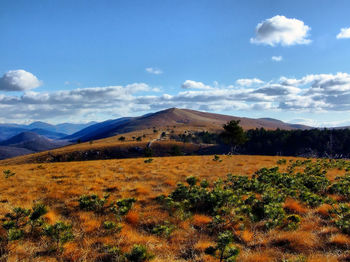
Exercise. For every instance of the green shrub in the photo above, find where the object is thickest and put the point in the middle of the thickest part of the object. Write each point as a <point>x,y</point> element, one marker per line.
<point>94,203</point>
<point>191,180</point>
<point>139,253</point>
<point>59,233</point>
<point>8,173</point>
<point>112,226</point>
<point>292,222</point>
<point>224,250</point>
<point>217,158</point>
<point>148,160</point>
<point>342,217</point>
<point>164,230</point>
<point>15,234</point>
<point>124,206</point>
<point>282,161</point>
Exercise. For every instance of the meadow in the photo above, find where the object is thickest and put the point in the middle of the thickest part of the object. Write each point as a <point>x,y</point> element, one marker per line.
<point>183,208</point>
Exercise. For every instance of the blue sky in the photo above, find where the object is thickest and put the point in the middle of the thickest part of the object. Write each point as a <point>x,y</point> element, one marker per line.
<point>96,60</point>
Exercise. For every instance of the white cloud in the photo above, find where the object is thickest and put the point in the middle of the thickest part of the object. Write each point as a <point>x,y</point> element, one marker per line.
<point>190,84</point>
<point>18,80</point>
<point>154,71</point>
<point>344,33</point>
<point>249,81</point>
<point>310,93</point>
<point>281,30</point>
<point>317,123</point>
<point>277,58</point>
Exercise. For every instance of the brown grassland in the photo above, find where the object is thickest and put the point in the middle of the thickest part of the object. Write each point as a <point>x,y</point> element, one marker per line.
<point>59,186</point>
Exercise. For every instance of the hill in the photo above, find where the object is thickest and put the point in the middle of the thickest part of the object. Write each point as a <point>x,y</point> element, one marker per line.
<point>32,141</point>
<point>9,130</point>
<point>47,133</point>
<point>174,117</point>
<point>9,152</point>
<point>90,131</point>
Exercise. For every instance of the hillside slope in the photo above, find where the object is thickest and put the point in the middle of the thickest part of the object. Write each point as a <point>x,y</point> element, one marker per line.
<point>32,141</point>
<point>9,152</point>
<point>191,119</point>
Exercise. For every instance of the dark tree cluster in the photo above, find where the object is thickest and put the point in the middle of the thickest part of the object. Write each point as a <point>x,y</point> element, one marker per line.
<point>314,142</point>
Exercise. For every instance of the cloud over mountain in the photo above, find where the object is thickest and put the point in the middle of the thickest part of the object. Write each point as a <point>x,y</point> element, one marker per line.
<point>312,93</point>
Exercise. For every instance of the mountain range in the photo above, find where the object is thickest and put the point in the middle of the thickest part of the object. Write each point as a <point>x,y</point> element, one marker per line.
<point>189,119</point>
<point>18,140</point>
<point>41,128</point>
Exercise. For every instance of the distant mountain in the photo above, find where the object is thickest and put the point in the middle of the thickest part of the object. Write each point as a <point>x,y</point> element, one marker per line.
<point>65,128</point>
<point>42,128</point>
<point>33,142</point>
<point>47,133</point>
<point>93,130</point>
<point>7,131</point>
<point>41,125</point>
<point>175,117</point>
<point>69,128</point>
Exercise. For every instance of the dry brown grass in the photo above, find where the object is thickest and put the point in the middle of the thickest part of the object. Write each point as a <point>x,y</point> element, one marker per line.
<point>340,240</point>
<point>294,206</point>
<point>201,221</point>
<point>59,186</point>
<point>304,242</point>
<point>323,210</point>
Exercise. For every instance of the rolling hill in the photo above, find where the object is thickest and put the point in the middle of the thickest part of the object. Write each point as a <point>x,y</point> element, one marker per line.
<point>47,133</point>
<point>32,142</point>
<point>9,152</point>
<point>189,119</point>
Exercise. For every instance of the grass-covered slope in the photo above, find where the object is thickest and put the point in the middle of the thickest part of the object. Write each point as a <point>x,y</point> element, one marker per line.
<point>135,210</point>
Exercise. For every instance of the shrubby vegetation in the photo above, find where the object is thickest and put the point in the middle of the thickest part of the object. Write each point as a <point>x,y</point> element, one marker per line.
<point>239,201</point>
<point>199,219</point>
<point>103,206</point>
<point>27,223</point>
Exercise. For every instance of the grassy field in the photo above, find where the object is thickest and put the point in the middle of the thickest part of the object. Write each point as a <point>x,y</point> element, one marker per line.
<point>166,233</point>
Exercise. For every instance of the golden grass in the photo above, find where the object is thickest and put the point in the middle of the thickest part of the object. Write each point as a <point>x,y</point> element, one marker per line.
<point>340,240</point>
<point>59,186</point>
<point>304,242</point>
<point>323,210</point>
<point>293,206</point>
<point>201,221</point>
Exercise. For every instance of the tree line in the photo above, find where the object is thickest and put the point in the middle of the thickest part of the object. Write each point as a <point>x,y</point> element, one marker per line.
<point>334,143</point>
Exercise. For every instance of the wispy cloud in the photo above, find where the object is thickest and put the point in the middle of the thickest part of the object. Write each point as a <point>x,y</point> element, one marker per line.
<point>277,58</point>
<point>154,70</point>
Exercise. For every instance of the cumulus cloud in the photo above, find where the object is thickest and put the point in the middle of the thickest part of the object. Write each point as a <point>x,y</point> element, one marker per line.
<point>344,33</point>
<point>310,93</point>
<point>18,80</point>
<point>277,58</point>
<point>190,84</point>
<point>281,30</point>
<point>154,71</point>
<point>249,81</point>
